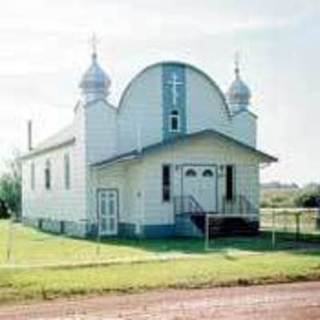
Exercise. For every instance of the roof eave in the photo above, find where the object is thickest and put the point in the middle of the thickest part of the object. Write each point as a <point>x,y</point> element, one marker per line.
<point>37,152</point>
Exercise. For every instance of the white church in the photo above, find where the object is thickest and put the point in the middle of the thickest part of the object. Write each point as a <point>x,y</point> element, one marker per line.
<point>173,150</point>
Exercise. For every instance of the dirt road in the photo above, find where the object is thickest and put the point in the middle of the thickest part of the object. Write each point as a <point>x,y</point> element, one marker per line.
<point>284,301</point>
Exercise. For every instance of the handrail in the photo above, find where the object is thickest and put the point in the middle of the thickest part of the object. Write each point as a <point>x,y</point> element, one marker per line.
<point>187,204</point>
<point>239,204</point>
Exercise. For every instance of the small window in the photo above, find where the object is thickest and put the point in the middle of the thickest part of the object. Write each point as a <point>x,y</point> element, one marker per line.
<point>32,176</point>
<point>47,175</point>
<point>191,173</point>
<point>67,171</point>
<point>207,173</point>
<point>174,121</point>
<point>166,183</point>
<point>229,182</point>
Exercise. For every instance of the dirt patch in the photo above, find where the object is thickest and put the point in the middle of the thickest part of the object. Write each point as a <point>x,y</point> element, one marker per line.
<point>282,301</point>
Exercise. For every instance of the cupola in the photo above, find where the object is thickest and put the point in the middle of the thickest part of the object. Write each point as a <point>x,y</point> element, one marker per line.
<point>95,83</point>
<point>239,94</point>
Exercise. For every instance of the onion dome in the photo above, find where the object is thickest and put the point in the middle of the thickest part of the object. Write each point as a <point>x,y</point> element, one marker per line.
<point>239,93</point>
<point>95,82</point>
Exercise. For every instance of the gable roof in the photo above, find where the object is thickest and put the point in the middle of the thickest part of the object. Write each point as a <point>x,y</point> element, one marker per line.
<point>161,145</point>
<point>62,138</point>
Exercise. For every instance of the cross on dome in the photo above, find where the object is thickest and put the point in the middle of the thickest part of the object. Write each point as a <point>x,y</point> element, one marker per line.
<point>94,41</point>
<point>95,83</point>
<point>237,64</point>
<point>239,93</point>
<point>174,83</point>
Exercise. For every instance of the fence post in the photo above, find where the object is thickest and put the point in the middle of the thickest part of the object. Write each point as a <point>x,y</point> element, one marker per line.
<point>206,232</point>
<point>273,230</point>
<point>9,239</point>
<point>298,214</point>
<point>318,218</point>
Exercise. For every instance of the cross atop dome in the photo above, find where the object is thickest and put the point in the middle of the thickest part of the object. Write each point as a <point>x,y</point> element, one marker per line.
<point>239,93</point>
<point>95,83</point>
<point>237,64</point>
<point>94,41</point>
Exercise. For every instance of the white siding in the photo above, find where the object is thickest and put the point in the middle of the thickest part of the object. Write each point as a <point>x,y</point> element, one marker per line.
<point>245,128</point>
<point>57,203</point>
<point>127,178</point>
<point>141,108</point>
<point>100,131</point>
<point>199,151</point>
<point>206,108</point>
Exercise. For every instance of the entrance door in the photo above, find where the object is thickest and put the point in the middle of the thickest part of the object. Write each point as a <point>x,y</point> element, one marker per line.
<point>108,211</point>
<point>201,183</point>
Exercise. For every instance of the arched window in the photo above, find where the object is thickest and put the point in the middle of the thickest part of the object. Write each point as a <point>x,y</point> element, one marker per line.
<point>47,175</point>
<point>207,173</point>
<point>174,121</point>
<point>191,173</point>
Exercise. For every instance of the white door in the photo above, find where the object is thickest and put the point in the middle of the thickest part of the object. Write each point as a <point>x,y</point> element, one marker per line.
<point>108,212</point>
<point>200,182</point>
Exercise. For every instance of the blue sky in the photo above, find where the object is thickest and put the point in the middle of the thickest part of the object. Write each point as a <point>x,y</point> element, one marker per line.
<point>44,50</point>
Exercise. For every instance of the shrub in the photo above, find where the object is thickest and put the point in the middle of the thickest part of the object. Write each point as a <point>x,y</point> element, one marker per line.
<point>308,198</point>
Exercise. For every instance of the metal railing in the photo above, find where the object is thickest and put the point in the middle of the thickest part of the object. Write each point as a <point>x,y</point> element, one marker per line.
<point>187,204</point>
<point>238,205</point>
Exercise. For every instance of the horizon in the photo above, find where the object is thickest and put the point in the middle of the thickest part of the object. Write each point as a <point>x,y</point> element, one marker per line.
<point>45,50</point>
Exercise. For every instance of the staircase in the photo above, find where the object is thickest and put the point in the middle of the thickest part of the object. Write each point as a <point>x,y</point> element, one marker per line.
<point>191,218</point>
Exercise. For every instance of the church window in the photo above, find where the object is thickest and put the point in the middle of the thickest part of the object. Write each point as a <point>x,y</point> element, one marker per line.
<point>166,183</point>
<point>174,121</point>
<point>207,173</point>
<point>229,182</point>
<point>32,174</point>
<point>67,171</point>
<point>191,173</point>
<point>47,175</point>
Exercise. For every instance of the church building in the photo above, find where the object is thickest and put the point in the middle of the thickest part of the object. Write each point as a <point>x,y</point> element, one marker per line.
<point>174,149</point>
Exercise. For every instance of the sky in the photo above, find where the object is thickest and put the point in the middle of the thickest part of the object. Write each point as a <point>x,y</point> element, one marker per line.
<point>44,50</point>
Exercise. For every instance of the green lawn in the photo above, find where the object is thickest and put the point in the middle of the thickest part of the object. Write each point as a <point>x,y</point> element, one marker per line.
<point>181,263</point>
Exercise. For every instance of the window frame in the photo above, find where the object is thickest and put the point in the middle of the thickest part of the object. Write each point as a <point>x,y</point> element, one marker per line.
<point>207,173</point>
<point>190,173</point>
<point>32,176</point>
<point>174,116</point>
<point>230,190</point>
<point>166,186</point>
<point>47,175</point>
<point>67,171</point>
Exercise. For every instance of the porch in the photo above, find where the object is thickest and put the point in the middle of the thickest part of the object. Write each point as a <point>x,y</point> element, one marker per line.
<point>237,217</point>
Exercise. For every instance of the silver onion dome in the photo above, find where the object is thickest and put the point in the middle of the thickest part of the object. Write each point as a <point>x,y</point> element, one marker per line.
<point>239,93</point>
<point>95,80</point>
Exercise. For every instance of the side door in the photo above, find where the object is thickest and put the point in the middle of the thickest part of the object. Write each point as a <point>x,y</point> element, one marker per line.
<point>108,212</point>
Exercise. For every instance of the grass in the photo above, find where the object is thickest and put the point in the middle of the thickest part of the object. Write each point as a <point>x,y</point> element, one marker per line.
<point>235,261</point>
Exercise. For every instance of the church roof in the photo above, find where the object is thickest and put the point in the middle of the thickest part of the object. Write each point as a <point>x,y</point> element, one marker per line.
<point>266,158</point>
<point>238,93</point>
<point>95,79</point>
<point>60,139</point>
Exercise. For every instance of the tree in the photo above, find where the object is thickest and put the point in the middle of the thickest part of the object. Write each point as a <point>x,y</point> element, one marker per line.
<point>10,185</point>
<point>309,198</point>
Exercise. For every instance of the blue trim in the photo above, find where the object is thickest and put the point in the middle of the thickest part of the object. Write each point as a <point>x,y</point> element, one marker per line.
<point>170,101</point>
<point>158,231</point>
<point>127,230</point>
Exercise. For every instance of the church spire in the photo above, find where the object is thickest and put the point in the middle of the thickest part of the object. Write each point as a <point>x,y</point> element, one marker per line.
<point>237,64</point>
<point>95,83</point>
<point>94,43</point>
<point>239,93</point>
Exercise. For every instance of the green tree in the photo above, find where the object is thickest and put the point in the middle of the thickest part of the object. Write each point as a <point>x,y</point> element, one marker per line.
<point>10,185</point>
<point>309,197</point>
